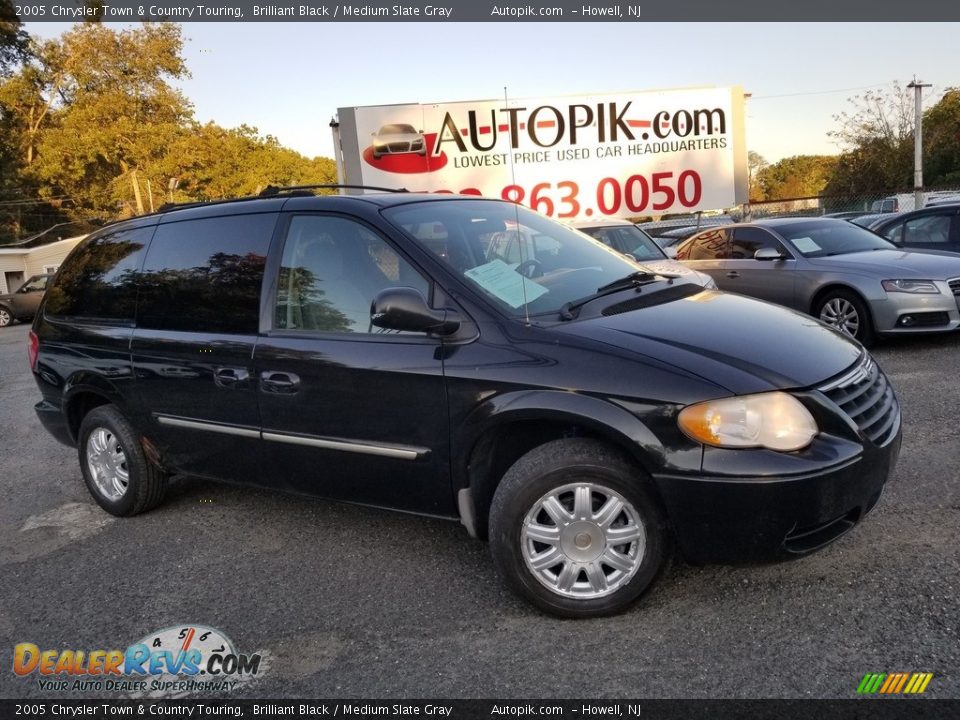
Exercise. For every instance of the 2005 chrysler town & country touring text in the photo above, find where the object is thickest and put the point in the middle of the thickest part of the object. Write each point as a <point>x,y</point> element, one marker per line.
<point>584,414</point>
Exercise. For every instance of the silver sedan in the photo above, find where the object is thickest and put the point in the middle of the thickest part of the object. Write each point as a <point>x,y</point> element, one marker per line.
<point>834,270</point>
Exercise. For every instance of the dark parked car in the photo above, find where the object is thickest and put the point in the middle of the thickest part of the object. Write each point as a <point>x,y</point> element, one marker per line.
<point>835,270</point>
<point>584,414</point>
<point>870,219</point>
<point>22,304</point>
<point>933,228</point>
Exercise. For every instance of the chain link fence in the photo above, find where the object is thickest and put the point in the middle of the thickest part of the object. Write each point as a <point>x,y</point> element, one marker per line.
<point>862,208</point>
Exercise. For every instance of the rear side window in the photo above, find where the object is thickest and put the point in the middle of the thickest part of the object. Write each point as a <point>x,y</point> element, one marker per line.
<point>205,275</point>
<point>100,280</point>
<point>710,245</point>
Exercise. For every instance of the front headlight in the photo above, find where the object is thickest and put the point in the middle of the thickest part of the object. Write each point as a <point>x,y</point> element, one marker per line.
<point>916,287</point>
<point>773,420</point>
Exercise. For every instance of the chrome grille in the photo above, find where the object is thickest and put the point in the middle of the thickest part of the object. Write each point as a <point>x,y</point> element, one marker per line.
<point>954,284</point>
<point>866,397</point>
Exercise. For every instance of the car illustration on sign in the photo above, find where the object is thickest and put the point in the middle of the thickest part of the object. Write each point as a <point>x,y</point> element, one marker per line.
<point>396,139</point>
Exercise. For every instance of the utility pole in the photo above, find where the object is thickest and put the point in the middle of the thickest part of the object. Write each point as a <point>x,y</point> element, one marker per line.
<point>918,86</point>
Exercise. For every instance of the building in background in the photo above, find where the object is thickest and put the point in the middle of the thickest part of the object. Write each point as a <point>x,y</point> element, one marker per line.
<point>20,262</point>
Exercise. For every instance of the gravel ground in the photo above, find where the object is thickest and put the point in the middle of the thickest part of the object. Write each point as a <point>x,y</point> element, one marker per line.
<point>345,601</point>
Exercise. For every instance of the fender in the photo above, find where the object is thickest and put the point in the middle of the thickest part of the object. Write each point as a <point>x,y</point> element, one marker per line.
<point>606,418</point>
<point>84,381</point>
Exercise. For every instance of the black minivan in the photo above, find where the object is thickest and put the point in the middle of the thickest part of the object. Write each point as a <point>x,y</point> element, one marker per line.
<point>586,415</point>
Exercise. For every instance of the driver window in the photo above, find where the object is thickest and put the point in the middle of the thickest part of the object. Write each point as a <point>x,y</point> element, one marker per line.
<point>35,285</point>
<point>747,240</point>
<point>932,229</point>
<point>332,269</point>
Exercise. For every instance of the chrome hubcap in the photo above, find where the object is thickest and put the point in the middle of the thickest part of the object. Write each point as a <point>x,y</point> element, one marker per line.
<point>842,315</point>
<point>583,540</point>
<point>107,464</point>
<point>4,318</point>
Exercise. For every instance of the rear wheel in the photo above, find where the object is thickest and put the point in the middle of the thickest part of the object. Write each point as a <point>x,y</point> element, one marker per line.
<point>846,312</point>
<point>575,529</point>
<point>5,317</point>
<point>115,469</point>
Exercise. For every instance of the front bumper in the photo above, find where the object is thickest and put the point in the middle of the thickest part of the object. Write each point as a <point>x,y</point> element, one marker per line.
<point>904,313</point>
<point>762,519</point>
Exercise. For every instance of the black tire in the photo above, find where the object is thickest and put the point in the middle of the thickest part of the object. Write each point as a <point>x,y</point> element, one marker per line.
<point>865,332</point>
<point>6,317</point>
<point>146,483</point>
<point>553,466</point>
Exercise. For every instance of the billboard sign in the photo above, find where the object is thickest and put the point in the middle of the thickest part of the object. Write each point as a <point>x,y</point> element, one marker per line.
<point>577,157</point>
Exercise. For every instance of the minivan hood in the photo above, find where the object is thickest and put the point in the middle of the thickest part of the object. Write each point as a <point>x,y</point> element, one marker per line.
<point>897,263</point>
<point>738,343</point>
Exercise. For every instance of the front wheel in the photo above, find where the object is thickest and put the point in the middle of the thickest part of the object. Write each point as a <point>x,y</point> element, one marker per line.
<point>846,312</point>
<point>5,317</point>
<point>115,469</point>
<point>576,530</point>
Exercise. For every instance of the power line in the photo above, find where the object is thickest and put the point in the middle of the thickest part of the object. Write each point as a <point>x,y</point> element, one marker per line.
<point>818,92</point>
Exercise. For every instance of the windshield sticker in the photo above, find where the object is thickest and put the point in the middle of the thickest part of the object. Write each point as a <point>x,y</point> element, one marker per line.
<point>806,245</point>
<point>505,283</point>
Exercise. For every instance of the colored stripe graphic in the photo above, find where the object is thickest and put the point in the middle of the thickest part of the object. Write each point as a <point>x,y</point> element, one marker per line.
<point>894,683</point>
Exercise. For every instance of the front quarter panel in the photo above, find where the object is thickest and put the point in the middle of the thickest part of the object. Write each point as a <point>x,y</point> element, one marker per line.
<point>515,373</point>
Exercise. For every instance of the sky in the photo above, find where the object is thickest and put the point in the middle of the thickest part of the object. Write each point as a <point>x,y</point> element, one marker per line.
<point>288,79</point>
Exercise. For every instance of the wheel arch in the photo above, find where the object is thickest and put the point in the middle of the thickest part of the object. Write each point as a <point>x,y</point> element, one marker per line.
<point>82,393</point>
<point>501,430</point>
<point>835,285</point>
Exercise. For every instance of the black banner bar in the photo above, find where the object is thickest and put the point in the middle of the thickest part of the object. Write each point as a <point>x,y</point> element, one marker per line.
<point>487,11</point>
<point>858,709</point>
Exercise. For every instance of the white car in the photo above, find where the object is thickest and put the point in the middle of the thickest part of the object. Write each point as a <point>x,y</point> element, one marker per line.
<point>627,238</point>
<point>396,139</point>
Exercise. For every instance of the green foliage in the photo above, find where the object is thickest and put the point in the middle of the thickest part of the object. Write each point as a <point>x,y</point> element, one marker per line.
<point>941,140</point>
<point>878,140</point>
<point>755,163</point>
<point>14,41</point>
<point>94,123</point>
<point>794,177</point>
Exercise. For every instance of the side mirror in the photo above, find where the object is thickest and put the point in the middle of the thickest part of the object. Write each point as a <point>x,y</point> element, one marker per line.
<point>404,308</point>
<point>768,254</point>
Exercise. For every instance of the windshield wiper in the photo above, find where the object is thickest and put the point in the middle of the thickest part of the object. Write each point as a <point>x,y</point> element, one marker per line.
<point>633,280</point>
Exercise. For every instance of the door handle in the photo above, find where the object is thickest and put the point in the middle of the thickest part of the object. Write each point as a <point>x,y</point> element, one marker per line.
<point>284,383</point>
<point>231,377</point>
<point>733,274</point>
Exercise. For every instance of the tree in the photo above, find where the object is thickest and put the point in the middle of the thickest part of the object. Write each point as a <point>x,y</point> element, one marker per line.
<point>14,51</point>
<point>14,41</point>
<point>99,111</point>
<point>795,177</point>
<point>93,123</point>
<point>755,163</point>
<point>876,136</point>
<point>941,141</point>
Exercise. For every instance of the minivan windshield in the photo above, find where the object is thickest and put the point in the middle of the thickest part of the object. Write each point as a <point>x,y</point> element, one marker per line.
<point>839,237</point>
<point>525,263</point>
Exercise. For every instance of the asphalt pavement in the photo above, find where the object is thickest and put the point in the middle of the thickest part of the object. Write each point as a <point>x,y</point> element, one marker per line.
<point>344,601</point>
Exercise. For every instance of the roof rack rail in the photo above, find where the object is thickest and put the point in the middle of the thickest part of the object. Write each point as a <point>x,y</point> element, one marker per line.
<point>167,207</point>
<point>271,190</point>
